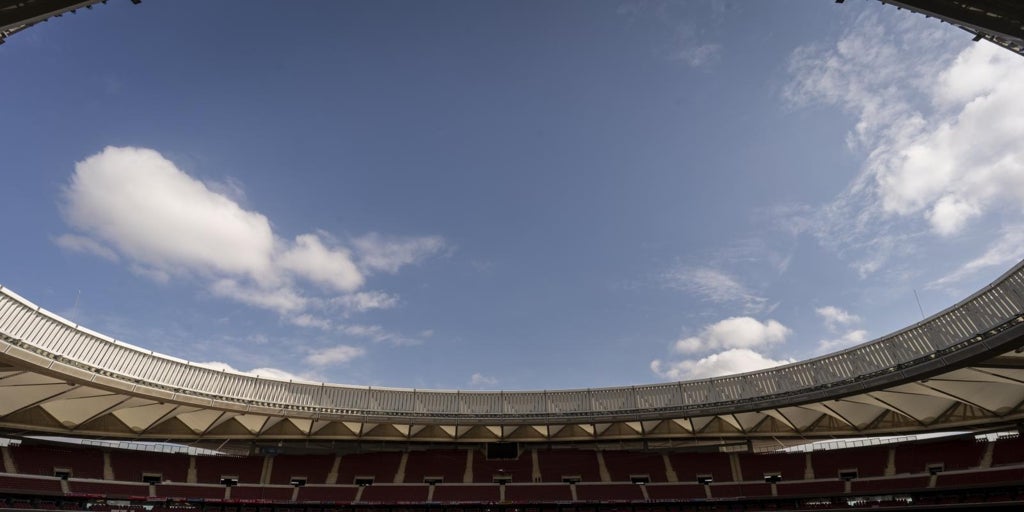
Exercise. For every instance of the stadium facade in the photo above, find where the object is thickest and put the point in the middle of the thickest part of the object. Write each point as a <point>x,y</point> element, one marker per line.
<point>961,368</point>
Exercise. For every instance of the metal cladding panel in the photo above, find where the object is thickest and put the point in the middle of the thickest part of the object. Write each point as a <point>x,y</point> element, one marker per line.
<point>389,400</point>
<point>613,399</point>
<point>695,393</point>
<point>526,403</point>
<point>658,396</point>
<point>441,402</point>
<point>725,390</point>
<point>568,402</point>
<point>485,403</point>
<point>344,399</point>
<point>985,313</point>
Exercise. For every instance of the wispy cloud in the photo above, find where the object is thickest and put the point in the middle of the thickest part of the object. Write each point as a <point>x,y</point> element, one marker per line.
<point>714,285</point>
<point>1006,249</point>
<point>940,131</point>
<point>678,34</point>
<point>379,253</point>
<point>338,354</point>
<point>479,380</point>
<point>79,243</point>
<point>849,339</point>
<point>835,317</point>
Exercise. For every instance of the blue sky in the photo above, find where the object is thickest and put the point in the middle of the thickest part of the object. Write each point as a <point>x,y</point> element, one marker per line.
<point>516,195</point>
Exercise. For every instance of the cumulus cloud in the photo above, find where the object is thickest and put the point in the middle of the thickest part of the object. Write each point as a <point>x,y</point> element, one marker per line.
<point>733,345</point>
<point>735,332</point>
<point>835,317</point>
<point>714,285</point>
<point>941,132</point>
<point>855,337</point>
<point>338,354</point>
<point>309,258</point>
<point>732,361</point>
<point>156,215</point>
<point>133,204</point>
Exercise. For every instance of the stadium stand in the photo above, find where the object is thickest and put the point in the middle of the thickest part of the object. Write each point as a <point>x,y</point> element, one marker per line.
<point>466,493</point>
<point>313,468</point>
<point>107,489</point>
<point>448,465</point>
<point>947,454</point>
<point>691,466</point>
<point>609,492</point>
<point>1008,451</point>
<point>866,461</point>
<point>131,465</point>
<point>327,493</point>
<point>555,465</point>
<point>676,492</point>
<point>538,493</point>
<point>262,492</point>
<point>518,470</point>
<point>46,460</point>
<point>829,487</point>
<point>381,467</point>
<point>622,465</point>
<point>755,466</point>
<point>33,484</point>
<point>212,469</point>
<point>395,493</point>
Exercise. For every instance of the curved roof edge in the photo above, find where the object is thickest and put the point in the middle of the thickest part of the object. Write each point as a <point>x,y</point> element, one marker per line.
<point>984,324</point>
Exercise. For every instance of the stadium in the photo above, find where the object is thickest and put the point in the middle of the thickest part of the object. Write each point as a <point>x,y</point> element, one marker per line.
<point>94,423</point>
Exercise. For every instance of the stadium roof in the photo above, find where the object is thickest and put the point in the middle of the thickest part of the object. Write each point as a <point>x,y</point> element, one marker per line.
<point>961,368</point>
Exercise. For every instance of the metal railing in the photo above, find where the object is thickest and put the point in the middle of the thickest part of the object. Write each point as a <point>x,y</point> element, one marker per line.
<point>994,308</point>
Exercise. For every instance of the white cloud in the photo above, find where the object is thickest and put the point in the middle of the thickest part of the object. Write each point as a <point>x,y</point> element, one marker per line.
<point>715,286</point>
<point>309,258</point>
<point>1005,250</point>
<point>308,320</point>
<point>847,340</point>
<point>478,380</point>
<point>156,215</point>
<point>339,354</point>
<point>85,244</point>
<point>377,334</point>
<point>697,55</point>
<point>941,132</point>
<point>263,373</point>
<point>282,300</point>
<point>389,253</point>
<point>365,301</point>
<point>134,204</point>
<point>732,361</point>
<point>735,332</point>
<point>835,317</point>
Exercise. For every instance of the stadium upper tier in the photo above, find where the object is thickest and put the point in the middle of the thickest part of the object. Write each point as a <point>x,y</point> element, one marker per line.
<point>958,368</point>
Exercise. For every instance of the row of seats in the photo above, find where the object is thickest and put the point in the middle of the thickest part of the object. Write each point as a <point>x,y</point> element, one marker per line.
<point>509,493</point>
<point>550,466</point>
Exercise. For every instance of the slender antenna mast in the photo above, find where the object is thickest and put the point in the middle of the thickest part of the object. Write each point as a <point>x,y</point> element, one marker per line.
<point>919,308</point>
<point>74,309</point>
